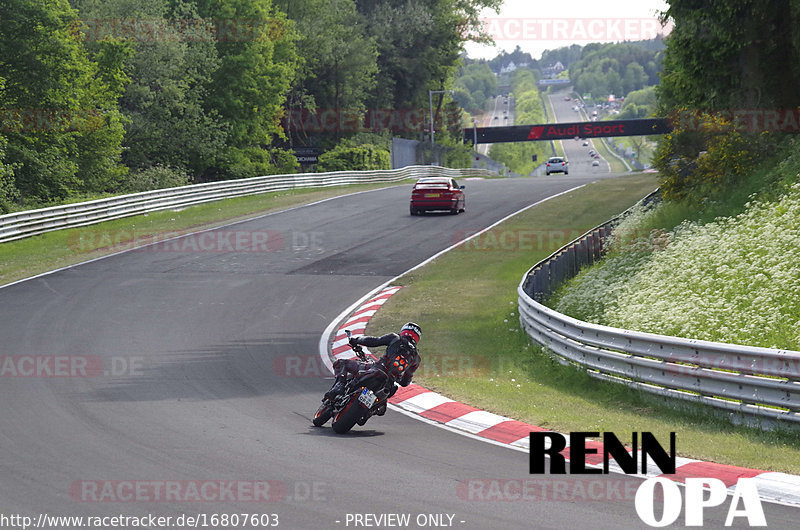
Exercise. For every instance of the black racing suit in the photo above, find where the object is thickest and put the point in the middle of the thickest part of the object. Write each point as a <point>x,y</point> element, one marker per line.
<point>399,362</point>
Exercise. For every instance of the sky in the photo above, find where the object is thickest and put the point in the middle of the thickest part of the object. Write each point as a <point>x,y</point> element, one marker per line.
<point>536,26</point>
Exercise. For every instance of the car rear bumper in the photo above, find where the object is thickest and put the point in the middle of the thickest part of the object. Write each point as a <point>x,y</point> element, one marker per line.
<point>440,204</point>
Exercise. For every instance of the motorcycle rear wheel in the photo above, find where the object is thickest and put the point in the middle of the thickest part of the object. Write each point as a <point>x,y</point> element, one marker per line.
<point>347,418</point>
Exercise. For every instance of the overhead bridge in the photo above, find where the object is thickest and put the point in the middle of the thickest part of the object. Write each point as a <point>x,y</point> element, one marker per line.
<point>564,131</point>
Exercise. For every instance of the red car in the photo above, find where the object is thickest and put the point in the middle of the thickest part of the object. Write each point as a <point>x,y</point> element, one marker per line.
<point>437,193</point>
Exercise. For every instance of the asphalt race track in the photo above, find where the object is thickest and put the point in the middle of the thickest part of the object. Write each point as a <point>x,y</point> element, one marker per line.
<point>578,155</point>
<point>172,371</point>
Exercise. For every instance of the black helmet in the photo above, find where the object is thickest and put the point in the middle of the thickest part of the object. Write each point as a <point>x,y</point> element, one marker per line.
<point>412,331</point>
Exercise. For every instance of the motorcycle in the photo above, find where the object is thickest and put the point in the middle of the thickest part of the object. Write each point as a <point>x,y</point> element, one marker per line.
<point>365,394</point>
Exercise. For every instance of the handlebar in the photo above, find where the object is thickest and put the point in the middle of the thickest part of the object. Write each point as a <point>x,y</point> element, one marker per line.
<point>356,348</point>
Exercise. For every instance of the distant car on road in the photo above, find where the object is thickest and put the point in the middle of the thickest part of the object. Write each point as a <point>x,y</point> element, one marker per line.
<point>557,164</point>
<point>437,193</point>
<point>595,162</point>
<point>567,98</point>
<point>585,143</point>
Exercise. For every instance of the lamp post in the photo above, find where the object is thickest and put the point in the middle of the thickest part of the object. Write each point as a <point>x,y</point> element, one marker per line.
<point>430,103</point>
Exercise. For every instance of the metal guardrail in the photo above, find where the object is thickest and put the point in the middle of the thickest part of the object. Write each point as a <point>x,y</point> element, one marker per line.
<point>761,383</point>
<point>20,225</point>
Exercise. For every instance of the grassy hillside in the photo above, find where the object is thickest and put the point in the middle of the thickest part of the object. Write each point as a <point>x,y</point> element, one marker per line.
<point>733,279</point>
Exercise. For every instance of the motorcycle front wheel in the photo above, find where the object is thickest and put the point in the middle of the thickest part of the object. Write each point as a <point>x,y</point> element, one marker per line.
<point>323,414</point>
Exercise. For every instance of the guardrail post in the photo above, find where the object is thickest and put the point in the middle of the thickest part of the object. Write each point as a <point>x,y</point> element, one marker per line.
<point>572,261</point>
<point>542,282</point>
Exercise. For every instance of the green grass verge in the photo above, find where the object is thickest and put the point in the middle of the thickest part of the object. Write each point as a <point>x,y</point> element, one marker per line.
<point>61,248</point>
<point>474,351</point>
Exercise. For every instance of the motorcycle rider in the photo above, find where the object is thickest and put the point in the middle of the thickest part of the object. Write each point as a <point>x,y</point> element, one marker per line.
<point>399,362</point>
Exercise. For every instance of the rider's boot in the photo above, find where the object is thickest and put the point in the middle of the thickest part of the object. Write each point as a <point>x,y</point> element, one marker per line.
<point>337,387</point>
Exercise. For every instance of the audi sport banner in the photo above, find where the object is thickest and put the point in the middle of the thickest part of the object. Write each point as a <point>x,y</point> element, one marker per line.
<point>564,131</point>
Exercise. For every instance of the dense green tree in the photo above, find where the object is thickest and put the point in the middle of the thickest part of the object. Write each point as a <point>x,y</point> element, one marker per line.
<point>167,123</point>
<point>474,85</point>
<point>615,68</point>
<point>8,190</point>
<point>347,156</point>
<point>179,89</point>
<point>724,56</point>
<point>732,54</point>
<point>635,78</point>
<point>517,56</point>
<point>613,82</point>
<point>338,60</point>
<point>68,131</point>
<point>565,55</point>
<point>258,60</point>
<point>419,45</point>
<point>638,104</point>
<point>645,97</point>
<point>402,31</point>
